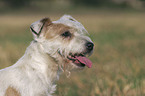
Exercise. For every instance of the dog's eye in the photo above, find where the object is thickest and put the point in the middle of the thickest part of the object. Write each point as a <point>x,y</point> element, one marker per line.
<point>66,34</point>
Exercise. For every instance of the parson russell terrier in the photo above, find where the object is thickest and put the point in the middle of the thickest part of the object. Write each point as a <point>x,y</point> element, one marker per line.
<point>58,46</point>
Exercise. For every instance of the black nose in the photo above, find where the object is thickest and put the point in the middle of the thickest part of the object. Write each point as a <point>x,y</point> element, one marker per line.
<point>89,46</point>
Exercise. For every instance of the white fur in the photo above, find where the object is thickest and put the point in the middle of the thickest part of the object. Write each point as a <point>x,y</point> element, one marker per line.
<point>35,73</point>
<point>70,21</point>
<point>32,75</point>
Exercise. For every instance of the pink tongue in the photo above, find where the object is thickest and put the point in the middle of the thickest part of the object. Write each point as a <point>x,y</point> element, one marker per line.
<point>84,60</point>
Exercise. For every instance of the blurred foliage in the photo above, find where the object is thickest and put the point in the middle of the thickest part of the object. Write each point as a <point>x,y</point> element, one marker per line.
<point>111,3</point>
<point>17,3</point>
<point>87,3</point>
<point>95,3</point>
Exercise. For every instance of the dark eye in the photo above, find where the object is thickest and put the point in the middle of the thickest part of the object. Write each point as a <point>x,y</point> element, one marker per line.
<point>66,34</point>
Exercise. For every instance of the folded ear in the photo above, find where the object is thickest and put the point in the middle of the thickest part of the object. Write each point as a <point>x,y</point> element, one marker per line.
<point>39,26</point>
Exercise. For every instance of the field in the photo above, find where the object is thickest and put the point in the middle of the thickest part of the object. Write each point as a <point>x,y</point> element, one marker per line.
<point>118,58</point>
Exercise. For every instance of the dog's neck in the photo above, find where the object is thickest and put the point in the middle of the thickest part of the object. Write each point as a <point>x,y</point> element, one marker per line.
<point>42,65</point>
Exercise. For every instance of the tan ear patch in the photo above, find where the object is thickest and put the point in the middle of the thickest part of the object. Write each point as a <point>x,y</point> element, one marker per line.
<point>12,92</point>
<point>46,20</point>
<point>56,29</point>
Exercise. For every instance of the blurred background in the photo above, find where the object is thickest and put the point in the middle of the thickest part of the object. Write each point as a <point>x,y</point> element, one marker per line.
<point>117,27</point>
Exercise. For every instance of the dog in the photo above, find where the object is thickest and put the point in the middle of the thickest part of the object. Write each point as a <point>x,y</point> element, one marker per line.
<point>58,46</point>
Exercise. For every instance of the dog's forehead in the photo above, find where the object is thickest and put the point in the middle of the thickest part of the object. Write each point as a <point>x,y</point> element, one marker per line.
<point>70,21</point>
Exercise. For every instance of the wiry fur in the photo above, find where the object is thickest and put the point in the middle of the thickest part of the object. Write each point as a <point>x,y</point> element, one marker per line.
<point>35,73</point>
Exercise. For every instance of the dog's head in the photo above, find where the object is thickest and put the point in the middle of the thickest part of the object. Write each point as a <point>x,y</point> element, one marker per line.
<point>65,40</point>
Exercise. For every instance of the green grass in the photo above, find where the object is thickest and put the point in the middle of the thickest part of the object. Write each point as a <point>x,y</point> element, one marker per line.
<point>118,58</point>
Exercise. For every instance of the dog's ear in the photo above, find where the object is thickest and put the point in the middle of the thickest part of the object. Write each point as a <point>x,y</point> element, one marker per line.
<point>38,27</point>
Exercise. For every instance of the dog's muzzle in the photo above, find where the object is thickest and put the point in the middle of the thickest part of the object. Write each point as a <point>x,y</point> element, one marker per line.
<point>80,59</point>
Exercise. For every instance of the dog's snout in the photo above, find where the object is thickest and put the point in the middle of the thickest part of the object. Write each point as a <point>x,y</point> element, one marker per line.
<point>89,46</point>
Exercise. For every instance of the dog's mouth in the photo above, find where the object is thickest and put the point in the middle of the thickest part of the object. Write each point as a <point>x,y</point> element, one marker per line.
<point>80,60</point>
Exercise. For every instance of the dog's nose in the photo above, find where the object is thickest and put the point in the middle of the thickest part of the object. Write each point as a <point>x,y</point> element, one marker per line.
<point>89,46</point>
